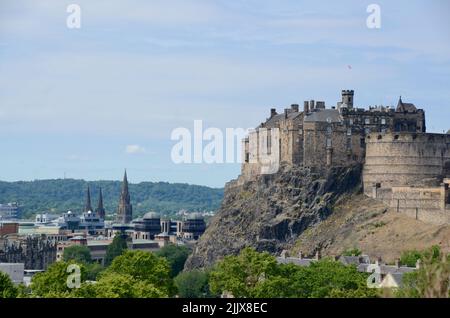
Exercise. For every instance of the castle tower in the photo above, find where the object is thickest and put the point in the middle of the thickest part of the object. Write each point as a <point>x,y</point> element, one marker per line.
<point>347,98</point>
<point>88,206</point>
<point>125,211</point>
<point>100,209</point>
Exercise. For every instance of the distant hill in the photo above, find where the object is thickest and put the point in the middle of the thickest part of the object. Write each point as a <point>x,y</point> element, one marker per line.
<point>61,195</point>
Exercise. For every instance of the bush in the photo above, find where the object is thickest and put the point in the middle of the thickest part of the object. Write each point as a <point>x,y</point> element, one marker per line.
<point>193,284</point>
<point>7,288</point>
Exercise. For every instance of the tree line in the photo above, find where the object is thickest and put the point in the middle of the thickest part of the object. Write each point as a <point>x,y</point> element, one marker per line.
<point>61,195</point>
<point>251,274</point>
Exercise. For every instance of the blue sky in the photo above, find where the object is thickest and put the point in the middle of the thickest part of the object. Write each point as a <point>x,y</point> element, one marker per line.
<point>72,101</point>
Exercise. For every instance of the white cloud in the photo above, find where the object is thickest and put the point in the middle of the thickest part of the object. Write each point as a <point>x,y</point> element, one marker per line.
<point>134,149</point>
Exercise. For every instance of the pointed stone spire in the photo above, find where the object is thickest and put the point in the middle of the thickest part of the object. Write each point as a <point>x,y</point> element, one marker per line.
<point>88,206</point>
<point>125,210</point>
<point>400,107</point>
<point>100,209</point>
<point>125,194</point>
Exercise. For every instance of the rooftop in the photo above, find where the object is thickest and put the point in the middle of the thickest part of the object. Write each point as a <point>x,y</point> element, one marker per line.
<point>324,115</point>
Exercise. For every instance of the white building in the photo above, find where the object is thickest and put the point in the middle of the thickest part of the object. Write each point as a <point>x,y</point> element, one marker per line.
<point>15,271</point>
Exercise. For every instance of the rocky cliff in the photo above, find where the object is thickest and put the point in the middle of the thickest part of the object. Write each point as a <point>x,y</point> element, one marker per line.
<point>299,209</point>
<point>272,211</point>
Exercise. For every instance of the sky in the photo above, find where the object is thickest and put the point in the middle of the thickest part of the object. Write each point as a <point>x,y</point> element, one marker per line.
<point>88,102</point>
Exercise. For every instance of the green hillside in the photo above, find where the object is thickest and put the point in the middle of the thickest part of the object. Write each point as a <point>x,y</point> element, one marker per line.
<point>60,195</point>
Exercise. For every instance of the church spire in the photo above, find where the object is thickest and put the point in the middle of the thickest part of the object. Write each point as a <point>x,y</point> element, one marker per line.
<point>88,206</point>
<point>125,195</point>
<point>100,209</point>
<point>125,211</point>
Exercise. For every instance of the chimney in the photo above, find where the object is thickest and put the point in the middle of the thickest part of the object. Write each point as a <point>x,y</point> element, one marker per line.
<point>273,112</point>
<point>294,107</point>
<point>320,105</point>
<point>306,106</point>
<point>311,105</point>
<point>286,112</point>
<point>378,261</point>
<point>418,263</point>
<point>300,255</point>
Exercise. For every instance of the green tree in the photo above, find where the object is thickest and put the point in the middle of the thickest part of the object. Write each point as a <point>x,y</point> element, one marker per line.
<point>77,253</point>
<point>352,252</point>
<point>115,285</point>
<point>143,267</point>
<point>253,274</point>
<point>409,258</point>
<point>176,255</point>
<point>93,270</point>
<point>53,282</point>
<point>328,278</point>
<point>241,275</point>
<point>193,284</point>
<point>116,248</point>
<point>431,280</point>
<point>7,288</point>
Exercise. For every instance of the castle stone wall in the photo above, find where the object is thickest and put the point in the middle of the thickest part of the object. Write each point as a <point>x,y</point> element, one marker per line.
<point>405,159</point>
<point>425,204</point>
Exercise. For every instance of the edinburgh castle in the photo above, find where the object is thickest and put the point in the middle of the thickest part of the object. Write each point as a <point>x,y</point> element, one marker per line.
<point>403,165</point>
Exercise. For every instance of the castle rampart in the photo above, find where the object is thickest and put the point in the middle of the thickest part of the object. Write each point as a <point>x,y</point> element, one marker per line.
<point>408,172</point>
<point>405,159</point>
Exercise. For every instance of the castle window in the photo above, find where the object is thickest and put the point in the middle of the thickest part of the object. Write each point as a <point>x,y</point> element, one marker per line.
<point>329,130</point>
<point>367,121</point>
<point>328,142</point>
<point>350,121</point>
<point>349,131</point>
<point>349,143</point>
<point>383,121</point>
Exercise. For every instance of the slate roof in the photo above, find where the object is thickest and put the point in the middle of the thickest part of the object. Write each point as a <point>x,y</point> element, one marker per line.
<point>324,115</point>
<point>398,278</point>
<point>295,260</point>
<point>354,260</point>
<point>405,107</point>
<point>395,270</point>
<point>273,121</point>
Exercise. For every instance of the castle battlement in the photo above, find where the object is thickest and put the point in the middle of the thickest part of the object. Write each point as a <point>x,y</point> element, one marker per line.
<point>391,143</point>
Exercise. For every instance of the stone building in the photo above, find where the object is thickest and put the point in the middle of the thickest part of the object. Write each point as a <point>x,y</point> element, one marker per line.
<point>151,226</point>
<point>35,252</point>
<point>404,166</point>
<point>410,172</point>
<point>324,137</point>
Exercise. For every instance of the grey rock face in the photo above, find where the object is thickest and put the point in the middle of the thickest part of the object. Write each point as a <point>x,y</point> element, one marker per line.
<point>270,212</point>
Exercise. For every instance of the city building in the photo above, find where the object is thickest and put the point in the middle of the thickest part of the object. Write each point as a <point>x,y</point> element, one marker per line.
<point>15,271</point>
<point>152,226</point>
<point>8,228</point>
<point>35,251</point>
<point>10,211</point>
